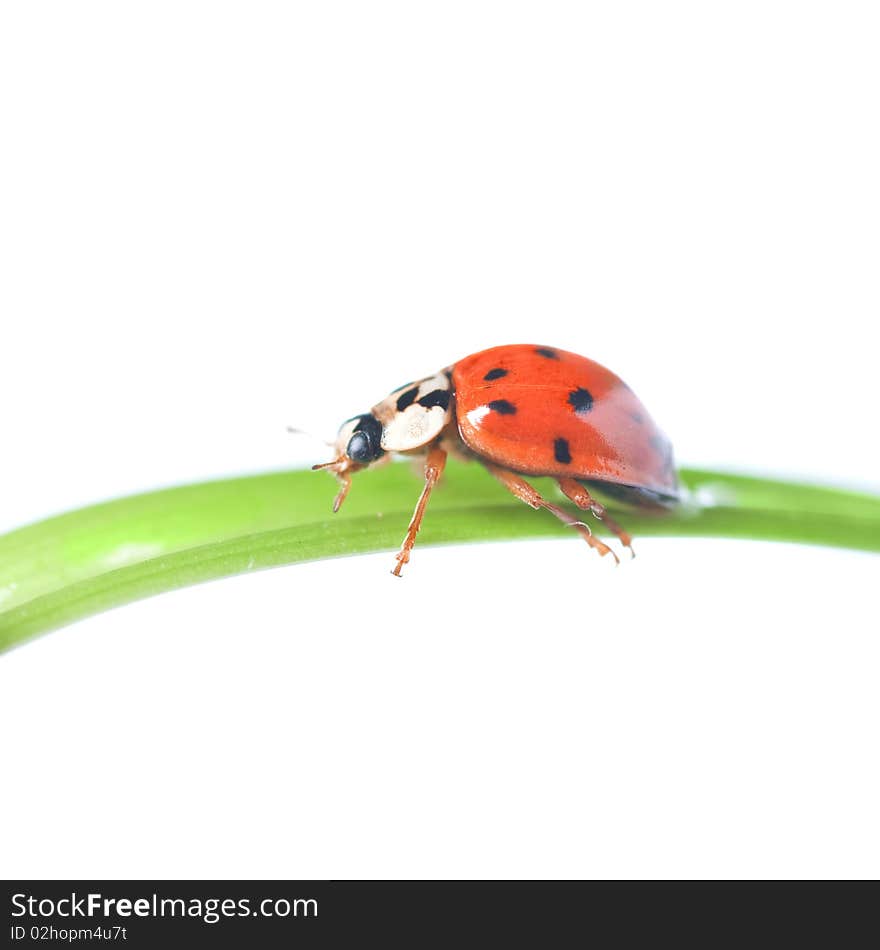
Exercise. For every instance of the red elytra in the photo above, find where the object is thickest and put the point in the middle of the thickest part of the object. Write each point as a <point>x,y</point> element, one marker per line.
<point>521,410</point>
<point>571,417</point>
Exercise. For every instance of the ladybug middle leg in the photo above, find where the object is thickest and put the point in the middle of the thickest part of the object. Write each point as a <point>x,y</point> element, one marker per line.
<point>523,490</point>
<point>585,501</point>
<point>434,465</point>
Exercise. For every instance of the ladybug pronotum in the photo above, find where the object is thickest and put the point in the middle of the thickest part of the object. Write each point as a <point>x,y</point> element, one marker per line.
<point>520,410</point>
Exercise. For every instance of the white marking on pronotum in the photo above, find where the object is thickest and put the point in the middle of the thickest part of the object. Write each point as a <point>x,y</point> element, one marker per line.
<point>414,425</point>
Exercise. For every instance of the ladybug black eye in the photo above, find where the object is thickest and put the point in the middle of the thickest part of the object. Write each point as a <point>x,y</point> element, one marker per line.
<point>365,445</point>
<point>359,448</point>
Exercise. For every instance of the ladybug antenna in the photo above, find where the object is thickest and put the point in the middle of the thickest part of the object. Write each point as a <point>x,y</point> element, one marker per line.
<point>341,469</point>
<point>310,435</point>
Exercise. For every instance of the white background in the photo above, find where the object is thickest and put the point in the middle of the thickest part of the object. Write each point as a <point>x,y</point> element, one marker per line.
<point>218,219</point>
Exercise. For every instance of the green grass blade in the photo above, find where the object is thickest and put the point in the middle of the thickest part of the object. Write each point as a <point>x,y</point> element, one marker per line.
<point>77,564</point>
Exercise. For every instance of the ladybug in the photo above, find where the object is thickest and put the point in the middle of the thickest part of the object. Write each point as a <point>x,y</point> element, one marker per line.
<point>520,410</point>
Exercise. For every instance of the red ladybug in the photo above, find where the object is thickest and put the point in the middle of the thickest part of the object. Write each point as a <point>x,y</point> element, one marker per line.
<point>520,410</point>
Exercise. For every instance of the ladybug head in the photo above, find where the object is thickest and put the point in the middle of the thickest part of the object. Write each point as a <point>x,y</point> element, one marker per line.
<point>358,444</point>
<point>360,439</point>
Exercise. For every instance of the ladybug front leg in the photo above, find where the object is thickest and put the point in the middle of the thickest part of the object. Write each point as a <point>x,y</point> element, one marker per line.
<point>434,464</point>
<point>523,490</point>
<point>585,501</point>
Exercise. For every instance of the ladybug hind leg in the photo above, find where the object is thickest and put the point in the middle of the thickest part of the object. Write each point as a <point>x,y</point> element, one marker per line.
<point>576,492</point>
<point>525,492</point>
<point>434,465</point>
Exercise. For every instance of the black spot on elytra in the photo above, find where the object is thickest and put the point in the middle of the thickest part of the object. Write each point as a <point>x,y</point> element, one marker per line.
<point>494,374</point>
<point>439,397</point>
<point>407,399</point>
<point>637,418</point>
<point>581,399</point>
<point>547,353</point>
<point>502,407</point>
<point>561,451</point>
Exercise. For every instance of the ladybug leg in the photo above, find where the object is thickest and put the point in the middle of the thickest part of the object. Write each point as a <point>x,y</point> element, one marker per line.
<point>434,465</point>
<point>523,490</point>
<point>584,500</point>
<point>344,479</point>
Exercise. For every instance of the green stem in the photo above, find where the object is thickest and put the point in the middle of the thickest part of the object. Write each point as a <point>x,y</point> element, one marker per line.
<point>74,565</point>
